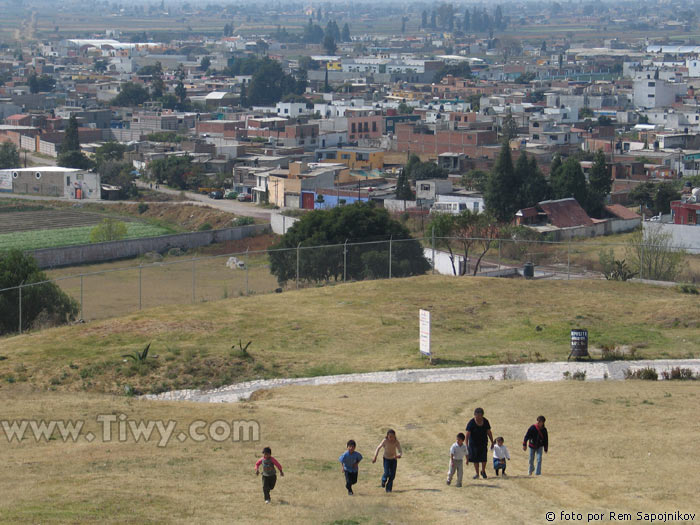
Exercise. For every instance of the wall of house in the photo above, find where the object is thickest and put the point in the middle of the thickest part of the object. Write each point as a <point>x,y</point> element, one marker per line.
<point>108,251</point>
<point>682,235</point>
<point>281,223</point>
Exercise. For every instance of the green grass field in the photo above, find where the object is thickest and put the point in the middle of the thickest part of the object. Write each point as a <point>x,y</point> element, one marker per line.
<point>358,327</point>
<point>37,239</point>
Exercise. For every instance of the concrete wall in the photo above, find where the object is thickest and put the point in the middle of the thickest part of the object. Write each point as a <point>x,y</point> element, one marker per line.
<point>108,251</point>
<point>398,206</point>
<point>683,234</point>
<point>281,223</point>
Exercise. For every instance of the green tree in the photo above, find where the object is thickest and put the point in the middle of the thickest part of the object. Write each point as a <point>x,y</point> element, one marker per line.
<point>329,45</point>
<point>9,156</point>
<point>475,180</point>
<point>510,127</point>
<point>569,181</point>
<point>417,170</point>
<point>599,185</point>
<point>108,230</point>
<point>269,84</point>
<point>71,139</point>
<point>665,193</point>
<point>501,195</point>
<point>403,187</point>
<point>442,226</point>
<point>177,172</point>
<point>70,155</point>
<point>181,94</point>
<point>405,109</point>
<point>130,95</point>
<point>46,300</point>
<point>345,33</point>
<point>109,151</point>
<point>534,187</point>
<point>475,232</point>
<point>119,174</point>
<point>39,84</point>
<point>204,63</point>
<point>356,223</point>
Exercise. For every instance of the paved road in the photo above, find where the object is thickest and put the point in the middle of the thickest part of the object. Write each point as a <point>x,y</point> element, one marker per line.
<point>595,371</point>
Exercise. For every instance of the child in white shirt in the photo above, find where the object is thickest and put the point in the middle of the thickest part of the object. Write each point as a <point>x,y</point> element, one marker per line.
<point>458,452</point>
<point>500,454</point>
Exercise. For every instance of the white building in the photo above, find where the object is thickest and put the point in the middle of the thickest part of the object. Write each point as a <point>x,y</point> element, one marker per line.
<point>292,109</point>
<point>656,93</point>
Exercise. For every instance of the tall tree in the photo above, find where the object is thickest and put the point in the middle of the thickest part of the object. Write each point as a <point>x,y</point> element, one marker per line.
<point>433,17</point>
<point>9,156</point>
<point>46,299</point>
<point>510,127</point>
<point>569,181</point>
<point>466,23</point>
<point>345,33</point>
<point>329,44</point>
<point>599,185</point>
<point>71,140</point>
<point>535,188</point>
<point>424,19</point>
<point>403,188</point>
<point>501,189</point>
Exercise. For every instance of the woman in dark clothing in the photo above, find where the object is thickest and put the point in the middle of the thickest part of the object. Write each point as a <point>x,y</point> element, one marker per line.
<point>478,435</point>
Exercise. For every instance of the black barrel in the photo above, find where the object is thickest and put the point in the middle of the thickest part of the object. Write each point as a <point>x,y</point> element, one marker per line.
<point>529,270</point>
<point>579,343</point>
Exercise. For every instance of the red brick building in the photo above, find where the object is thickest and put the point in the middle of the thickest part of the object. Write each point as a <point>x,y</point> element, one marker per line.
<point>434,141</point>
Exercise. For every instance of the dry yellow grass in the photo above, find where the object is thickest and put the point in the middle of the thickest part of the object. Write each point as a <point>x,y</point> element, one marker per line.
<point>615,446</point>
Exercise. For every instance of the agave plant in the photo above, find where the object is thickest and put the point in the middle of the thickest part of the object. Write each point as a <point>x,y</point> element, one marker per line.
<point>242,350</point>
<point>139,357</point>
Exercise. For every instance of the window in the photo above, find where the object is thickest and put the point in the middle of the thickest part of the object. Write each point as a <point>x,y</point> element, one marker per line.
<point>425,187</point>
<point>286,110</point>
<point>535,137</point>
<point>476,206</point>
<point>651,84</point>
<point>366,127</point>
<point>536,125</point>
<point>353,127</point>
<point>68,180</point>
<point>650,95</point>
<point>345,156</point>
<point>374,126</point>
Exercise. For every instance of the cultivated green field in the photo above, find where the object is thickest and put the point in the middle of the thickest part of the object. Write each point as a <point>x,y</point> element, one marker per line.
<point>37,239</point>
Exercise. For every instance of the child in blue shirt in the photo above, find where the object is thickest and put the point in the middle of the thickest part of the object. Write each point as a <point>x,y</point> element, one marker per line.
<point>350,460</point>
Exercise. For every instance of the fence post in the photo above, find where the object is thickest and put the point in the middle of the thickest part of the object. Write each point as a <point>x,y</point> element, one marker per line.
<point>20,308</point>
<point>433,245</point>
<point>82,316</point>
<point>298,246</point>
<point>568,260</point>
<point>390,239</point>
<point>193,285</point>
<point>247,288</point>
<point>140,287</point>
<point>641,258</point>
<point>345,260</point>
<point>499,254</point>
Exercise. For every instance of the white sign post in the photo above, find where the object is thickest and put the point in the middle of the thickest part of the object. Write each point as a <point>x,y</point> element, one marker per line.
<point>424,330</point>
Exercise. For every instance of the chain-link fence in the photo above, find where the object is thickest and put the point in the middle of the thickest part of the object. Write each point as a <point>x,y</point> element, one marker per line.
<point>182,280</point>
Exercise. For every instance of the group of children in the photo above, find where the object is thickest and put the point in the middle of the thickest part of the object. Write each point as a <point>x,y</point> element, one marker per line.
<point>466,448</point>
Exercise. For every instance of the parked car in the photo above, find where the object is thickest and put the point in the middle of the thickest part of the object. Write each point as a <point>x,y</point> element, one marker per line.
<point>245,197</point>
<point>216,195</point>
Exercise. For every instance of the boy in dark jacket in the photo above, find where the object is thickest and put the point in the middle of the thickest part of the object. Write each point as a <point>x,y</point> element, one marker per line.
<point>537,440</point>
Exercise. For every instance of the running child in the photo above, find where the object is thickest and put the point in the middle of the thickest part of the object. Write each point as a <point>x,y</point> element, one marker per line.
<point>269,473</point>
<point>390,445</point>
<point>350,460</point>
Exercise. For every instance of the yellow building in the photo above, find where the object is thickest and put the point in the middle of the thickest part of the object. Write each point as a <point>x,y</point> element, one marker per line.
<point>354,158</point>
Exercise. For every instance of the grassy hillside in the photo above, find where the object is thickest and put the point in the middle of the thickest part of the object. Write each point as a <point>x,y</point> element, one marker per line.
<point>614,446</point>
<point>356,327</point>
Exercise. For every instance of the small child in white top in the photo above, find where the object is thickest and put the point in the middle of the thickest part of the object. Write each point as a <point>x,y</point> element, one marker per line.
<point>500,454</point>
<point>458,452</point>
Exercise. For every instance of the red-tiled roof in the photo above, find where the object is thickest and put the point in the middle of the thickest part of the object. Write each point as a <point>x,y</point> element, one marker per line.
<point>18,116</point>
<point>527,212</point>
<point>565,213</point>
<point>618,210</point>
